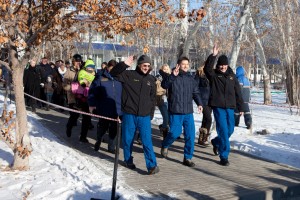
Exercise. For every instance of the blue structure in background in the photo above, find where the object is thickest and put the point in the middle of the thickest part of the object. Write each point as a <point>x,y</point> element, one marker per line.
<point>107,47</point>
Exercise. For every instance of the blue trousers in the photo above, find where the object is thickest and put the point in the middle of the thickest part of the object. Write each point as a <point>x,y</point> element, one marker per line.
<point>130,123</point>
<point>176,123</point>
<point>225,127</point>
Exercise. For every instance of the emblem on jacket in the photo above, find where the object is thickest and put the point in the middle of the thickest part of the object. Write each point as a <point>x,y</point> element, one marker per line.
<point>231,78</point>
<point>136,80</point>
<point>148,83</point>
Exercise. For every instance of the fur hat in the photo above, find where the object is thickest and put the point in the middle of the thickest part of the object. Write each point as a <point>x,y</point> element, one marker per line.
<point>223,60</point>
<point>143,59</point>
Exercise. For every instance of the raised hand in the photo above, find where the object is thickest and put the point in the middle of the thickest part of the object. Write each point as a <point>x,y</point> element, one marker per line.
<point>129,60</point>
<point>176,70</point>
<point>215,49</point>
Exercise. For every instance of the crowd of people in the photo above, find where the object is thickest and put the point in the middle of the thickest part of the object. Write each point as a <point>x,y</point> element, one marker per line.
<point>130,96</point>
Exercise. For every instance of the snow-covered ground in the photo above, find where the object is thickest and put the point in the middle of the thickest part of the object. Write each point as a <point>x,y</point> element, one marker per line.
<point>59,172</point>
<point>281,145</point>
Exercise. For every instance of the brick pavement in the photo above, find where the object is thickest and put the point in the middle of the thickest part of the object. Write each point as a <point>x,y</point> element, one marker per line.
<point>247,177</point>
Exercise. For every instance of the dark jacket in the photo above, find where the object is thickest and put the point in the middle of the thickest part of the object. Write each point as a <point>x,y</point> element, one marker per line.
<point>204,88</point>
<point>46,70</point>
<point>182,89</point>
<point>105,94</point>
<point>139,90</point>
<point>32,80</point>
<point>244,83</point>
<point>225,88</point>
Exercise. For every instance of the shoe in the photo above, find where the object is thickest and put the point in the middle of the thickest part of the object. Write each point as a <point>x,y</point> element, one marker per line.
<point>34,110</point>
<point>97,146</point>
<point>203,136</point>
<point>202,133</point>
<point>188,163</point>
<point>154,170</point>
<point>130,165</point>
<point>164,152</point>
<point>47,108</point>
<point>248,127</point>
<point>83,140</point>
<point>224,162</point>
<point>215,149</point>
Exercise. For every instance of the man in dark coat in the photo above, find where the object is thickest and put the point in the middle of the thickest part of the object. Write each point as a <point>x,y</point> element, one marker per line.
<point>46,70</point>
<point>105,99</point>
<point>138,100</point>
<point>182,90</point>
<point>32,83</point>
<point>225,96</point>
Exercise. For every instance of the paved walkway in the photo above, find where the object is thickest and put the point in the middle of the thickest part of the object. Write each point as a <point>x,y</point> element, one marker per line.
<point>247,177</point>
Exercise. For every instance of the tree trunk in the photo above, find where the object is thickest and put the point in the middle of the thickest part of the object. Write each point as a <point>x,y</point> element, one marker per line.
<point>262,57</point>
<point>183,30</point>
<point>210,26</point>
<point>22,135</point>
<point>188,41</point>
<point>245,12</point>
<point>288,46</point>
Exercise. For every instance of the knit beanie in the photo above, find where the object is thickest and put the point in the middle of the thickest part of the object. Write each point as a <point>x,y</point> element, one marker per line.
<point>223,60</point>
<point>89,63</point>
<point>77,57</point>
<point>143,59</point>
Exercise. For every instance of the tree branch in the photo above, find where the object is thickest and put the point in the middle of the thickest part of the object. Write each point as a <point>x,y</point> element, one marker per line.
<point>19,7</point>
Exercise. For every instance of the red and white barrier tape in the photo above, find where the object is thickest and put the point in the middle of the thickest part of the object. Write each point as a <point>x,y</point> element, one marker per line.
<point>275,105</point>
<point>72,110</point>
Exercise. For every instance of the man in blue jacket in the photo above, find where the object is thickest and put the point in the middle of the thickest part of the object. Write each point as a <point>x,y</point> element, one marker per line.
<point>245,87</point>
<point>138,102</point>
<point>182,89</point>
<point>105,99</point>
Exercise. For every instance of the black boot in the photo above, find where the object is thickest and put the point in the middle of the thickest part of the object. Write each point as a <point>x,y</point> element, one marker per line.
<point>97,145</point>
<point>215,149</point>
<point>188,163</point>
<point>224,162</point>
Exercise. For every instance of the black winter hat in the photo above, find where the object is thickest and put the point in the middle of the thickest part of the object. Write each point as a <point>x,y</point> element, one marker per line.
<point>77,57</point>
<point>143,59</point>
<point>223,60</point>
